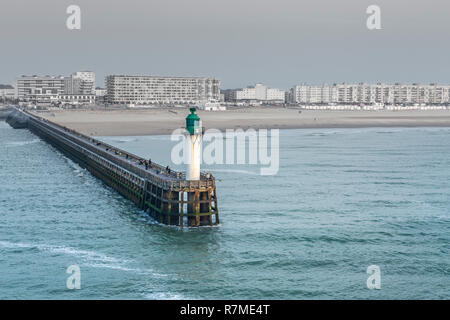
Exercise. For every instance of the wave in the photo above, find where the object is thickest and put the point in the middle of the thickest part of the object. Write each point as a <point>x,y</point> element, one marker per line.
<point>75,166</point>
<point>323,133</point>
<point>124,140</point>
<point>21,143</point>
<point>164,296</point>
<point>236,171</point>
<point>84,254</point>
<point>147,272</point>
<point>91,258</point>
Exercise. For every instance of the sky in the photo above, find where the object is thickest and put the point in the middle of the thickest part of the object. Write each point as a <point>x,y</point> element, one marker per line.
<point>242,42</point>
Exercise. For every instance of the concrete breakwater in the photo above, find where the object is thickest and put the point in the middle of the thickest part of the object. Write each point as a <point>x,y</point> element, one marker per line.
<point>165,194</point>
<point>4,112</point>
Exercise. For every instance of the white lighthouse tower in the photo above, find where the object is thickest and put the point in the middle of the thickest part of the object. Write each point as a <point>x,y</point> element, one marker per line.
<point>194,141</point>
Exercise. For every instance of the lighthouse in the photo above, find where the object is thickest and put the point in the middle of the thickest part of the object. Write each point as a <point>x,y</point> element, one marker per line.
<point>194,142</point>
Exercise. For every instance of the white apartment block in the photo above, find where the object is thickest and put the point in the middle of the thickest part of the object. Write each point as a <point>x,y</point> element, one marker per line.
<point>396,94</point>
<point>259,92</point>
<point>314,94</point>
<point>276,95</point>
<point>51,89</point>
<point>244,94</point>
<point>40,89</point>
<point>7,93</point>
<point>81,83</point>
<point>145,90</point>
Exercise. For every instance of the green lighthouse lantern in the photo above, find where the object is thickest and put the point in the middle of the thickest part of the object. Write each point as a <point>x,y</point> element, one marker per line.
<point>193,123</point>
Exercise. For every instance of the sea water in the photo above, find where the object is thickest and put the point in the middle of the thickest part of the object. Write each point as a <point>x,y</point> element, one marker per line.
<point>343,199</point>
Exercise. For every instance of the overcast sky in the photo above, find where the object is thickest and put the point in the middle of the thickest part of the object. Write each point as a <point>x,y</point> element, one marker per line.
<point>278,42</point>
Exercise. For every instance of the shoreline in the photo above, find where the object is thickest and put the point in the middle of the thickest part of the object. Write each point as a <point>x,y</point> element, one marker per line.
<point>165,121</point>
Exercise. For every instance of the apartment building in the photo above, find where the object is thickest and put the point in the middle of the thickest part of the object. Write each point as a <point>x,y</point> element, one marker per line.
<point>145,90</point>
<point>363,93</point>
<point>55,89</point>
<point>40,89</point>
<point>314,94</point>
<point>81,83</point>
<point>7,92</point>
<point>258,93</point>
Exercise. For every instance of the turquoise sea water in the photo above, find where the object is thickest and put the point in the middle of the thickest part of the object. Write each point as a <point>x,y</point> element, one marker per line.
<point>342,200</point>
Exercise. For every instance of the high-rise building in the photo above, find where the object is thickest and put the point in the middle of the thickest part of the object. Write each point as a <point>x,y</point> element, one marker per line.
<point>144,90</point>
<point>81,83</point>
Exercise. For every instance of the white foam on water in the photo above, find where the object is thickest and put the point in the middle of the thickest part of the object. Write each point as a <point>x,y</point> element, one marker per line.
<point>11,245</point>
<point>253,173</point>
<point>84,254</point>
<point>146,272</point>
<point>21,143</point>
<point>75,166</point>
<point>92,258</point>
<point>164,296</point>
<point>124,140</point>
<point>77,169</point>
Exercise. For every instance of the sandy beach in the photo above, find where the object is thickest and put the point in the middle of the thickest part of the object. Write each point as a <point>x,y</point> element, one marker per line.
<point>164,121</point>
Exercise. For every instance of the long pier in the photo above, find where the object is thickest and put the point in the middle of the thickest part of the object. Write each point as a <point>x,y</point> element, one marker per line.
<point>4,112</point>
<point>165,194</point>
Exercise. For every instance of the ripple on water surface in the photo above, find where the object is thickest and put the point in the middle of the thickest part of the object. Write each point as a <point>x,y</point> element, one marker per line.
<point>342,200</point>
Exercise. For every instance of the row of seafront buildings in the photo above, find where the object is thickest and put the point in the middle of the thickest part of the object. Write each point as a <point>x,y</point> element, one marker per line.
<point>79,88</point>
<point>370,94</point>
<point>344,94</point>
<point>76,88</point>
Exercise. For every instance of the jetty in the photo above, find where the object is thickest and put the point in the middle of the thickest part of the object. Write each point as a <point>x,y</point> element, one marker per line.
<point>165,194</point>
<point>4,112</point>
